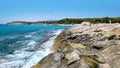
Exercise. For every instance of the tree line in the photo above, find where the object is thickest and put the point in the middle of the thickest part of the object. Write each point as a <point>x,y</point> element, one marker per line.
<point>74,21</point>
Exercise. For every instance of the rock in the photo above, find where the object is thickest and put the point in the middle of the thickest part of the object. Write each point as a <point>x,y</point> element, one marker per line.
<point>86,23</point>
<point>85,46</point>
<point>45,62</point>
<point>72,57</point>
<point>104,66</point>
<point>58,55</point>
<point>116,63</point>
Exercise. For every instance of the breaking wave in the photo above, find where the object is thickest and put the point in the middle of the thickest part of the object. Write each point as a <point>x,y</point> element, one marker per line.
<point>29,55</point>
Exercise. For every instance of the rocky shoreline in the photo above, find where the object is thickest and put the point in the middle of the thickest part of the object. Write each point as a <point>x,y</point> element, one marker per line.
<point>85,46</point>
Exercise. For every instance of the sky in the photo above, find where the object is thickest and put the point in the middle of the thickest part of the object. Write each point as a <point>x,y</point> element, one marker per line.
<point>40,10</point>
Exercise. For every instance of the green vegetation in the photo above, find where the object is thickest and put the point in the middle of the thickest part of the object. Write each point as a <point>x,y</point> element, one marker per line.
<point>74,21</point>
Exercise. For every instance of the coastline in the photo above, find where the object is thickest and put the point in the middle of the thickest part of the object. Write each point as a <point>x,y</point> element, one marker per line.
<point>45,24</point>
<point>27,57</point>
<point>43,52</point>
<point>84,46</point>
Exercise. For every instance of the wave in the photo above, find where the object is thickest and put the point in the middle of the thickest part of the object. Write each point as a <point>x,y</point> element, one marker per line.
<point>26,59</point>
<point>27,36</point>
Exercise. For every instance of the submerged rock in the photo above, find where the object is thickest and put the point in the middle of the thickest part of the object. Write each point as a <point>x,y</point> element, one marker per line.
<point>85,46</point>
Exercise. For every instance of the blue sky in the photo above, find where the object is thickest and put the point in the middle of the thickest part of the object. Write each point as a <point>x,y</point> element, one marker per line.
<point>37,10</point>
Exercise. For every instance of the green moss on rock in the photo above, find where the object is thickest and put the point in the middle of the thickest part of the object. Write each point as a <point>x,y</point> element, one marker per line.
<point>60,43</point>
<point>64,61</point>
<point>90,61</point>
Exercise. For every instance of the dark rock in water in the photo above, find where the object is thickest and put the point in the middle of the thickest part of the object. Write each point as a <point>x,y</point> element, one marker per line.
<point>95,46</point>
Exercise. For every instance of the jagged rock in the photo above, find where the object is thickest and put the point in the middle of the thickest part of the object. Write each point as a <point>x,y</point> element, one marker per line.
<point>85,46</point>
<point>58,55</point>
<point>72,57</point>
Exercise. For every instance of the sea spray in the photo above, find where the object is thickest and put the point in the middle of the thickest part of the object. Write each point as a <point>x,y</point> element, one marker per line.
<point>24,59</point>
<point>22,46</point>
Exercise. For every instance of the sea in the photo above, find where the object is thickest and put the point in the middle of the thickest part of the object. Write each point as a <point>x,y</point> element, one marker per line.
<point>22,46</point>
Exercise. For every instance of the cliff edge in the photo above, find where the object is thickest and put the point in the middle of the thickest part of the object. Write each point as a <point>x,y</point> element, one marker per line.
<point>85,46</point>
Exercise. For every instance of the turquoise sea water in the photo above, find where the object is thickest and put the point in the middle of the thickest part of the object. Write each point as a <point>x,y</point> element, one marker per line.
<point>25,41</point>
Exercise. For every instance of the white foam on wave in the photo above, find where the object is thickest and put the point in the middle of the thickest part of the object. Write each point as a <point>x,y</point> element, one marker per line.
<point>39,54</point>
<point>27,36</point>
<point>32,43</point>
<point>57,32</point>
<point>25,59</point>
<point>30,35</point>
